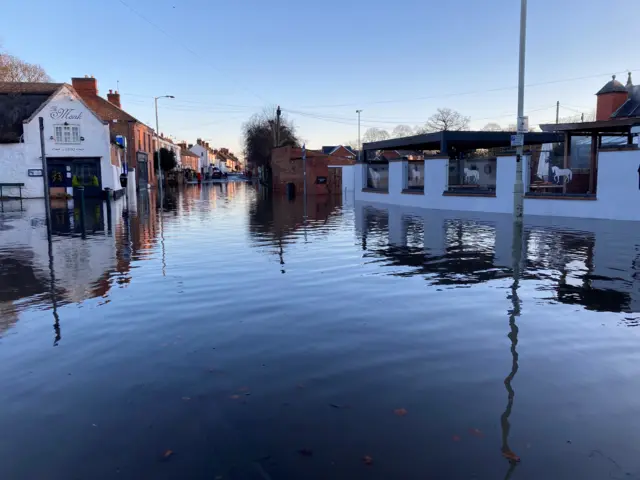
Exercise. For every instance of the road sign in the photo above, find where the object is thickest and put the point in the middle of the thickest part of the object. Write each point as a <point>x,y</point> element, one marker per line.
<point>523,124</point>
<point>517,140</point>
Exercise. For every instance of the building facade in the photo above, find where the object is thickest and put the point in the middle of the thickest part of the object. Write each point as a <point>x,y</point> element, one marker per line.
<point>139,136</point>
<point>77,142</point>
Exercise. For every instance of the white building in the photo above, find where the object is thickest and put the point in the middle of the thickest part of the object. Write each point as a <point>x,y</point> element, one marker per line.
<point>77,143</point>
<point>206,154</point>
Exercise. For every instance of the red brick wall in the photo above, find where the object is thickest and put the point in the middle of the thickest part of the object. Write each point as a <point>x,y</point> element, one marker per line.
<point>287,167</point>
<point>609,103</point>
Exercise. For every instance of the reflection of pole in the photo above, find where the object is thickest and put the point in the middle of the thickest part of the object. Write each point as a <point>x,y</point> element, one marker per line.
<point>54,303</point>
<point>45,177</point>
<point>82,212</point>
<point>304,175</point>
<point>513,337</point>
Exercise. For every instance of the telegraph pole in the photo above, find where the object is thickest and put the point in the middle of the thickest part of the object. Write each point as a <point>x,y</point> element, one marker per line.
<point>557,112</point>
<point>278,113</point>
<point>518,187</point>
<point>359,144</point>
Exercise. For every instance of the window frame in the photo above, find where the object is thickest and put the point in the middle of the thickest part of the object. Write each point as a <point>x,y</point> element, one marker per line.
<point>69,129</point>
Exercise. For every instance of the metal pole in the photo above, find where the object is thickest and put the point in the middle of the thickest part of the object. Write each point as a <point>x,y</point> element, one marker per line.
<point>557,112</point>
<point>304,175</point>
<point>45,177</point>
<point>158,151</point>
<point>518,187</point>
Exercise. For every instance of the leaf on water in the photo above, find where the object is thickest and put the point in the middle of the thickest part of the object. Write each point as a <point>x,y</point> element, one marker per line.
<point>167,454</point>
<point>234,397</point>
<point>476,432</point>
<point>401,412</point>
<point>456,438</point>
<point>186,399</point>
<point>305,452</point>
<point>512,457</point>
<point>367,460</point>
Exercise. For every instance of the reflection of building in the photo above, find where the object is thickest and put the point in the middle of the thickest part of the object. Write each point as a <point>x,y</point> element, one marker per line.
<point>593,263</point>
<point>82,268</point>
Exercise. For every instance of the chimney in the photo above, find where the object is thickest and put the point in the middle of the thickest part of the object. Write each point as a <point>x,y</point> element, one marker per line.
<point>199,142</point>
<point>87,86</point>
<point>114,98</point>
<point>190,145</point>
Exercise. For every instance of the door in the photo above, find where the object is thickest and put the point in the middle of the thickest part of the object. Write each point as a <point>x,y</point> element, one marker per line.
<point>334,182</point>
<point>142,171</point>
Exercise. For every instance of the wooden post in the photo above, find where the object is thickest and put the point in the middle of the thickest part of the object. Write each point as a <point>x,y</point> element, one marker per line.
<point>593,161</point>
<point>567,152</point>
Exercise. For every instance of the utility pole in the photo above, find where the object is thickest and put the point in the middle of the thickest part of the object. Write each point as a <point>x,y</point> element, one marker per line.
<point>277,132</point>
<point>158,145</point>
<point>557,112</point>
<point>45,178</point>
<point>582,117</point>
<point>359,144</point>
<point>518,187</point>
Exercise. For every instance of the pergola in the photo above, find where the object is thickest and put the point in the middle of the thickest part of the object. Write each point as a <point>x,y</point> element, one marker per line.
<point>453,142</point>
<point>616,127</point>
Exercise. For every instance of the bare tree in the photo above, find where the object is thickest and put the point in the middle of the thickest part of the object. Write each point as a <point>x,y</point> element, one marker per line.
<point>492,127</point>
<point>402,131</point>
<point>446,119</point>
<point>12,69</point>
<point>374,134</point>
<point>259,136</point>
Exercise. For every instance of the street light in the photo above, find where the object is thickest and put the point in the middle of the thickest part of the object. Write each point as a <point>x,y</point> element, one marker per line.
<point>359,144</point>
<point>155,99</point>
<point>518,187</point>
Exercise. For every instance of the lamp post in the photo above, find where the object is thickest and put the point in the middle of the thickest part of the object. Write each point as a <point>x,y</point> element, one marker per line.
<point>518,187</point>
<point>359,144</point>
<point>155,99</point>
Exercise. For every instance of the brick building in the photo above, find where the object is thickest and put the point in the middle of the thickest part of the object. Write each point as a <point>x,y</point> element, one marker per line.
<point>287,167</point>
<point>139,136</point>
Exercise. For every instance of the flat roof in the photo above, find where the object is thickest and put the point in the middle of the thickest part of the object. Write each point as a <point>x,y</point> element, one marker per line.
<point>614,125</point>
<point>461,140</point>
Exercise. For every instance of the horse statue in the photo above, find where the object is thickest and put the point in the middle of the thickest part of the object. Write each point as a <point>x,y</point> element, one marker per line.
<point>375,178</point>
<point>416,176</point>
<point>471,176</point>
<point>562,172</point>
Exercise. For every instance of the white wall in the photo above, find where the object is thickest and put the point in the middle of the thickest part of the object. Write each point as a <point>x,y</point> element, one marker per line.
<point>16,159</point>
<point>618,195</point>
<point>435,180</point>
<point>618,192</point>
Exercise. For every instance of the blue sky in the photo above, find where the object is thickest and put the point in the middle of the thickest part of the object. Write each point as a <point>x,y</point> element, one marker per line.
<point>398,61</point>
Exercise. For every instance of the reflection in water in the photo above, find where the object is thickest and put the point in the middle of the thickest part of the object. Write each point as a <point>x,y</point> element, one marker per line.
<point>381,309</point>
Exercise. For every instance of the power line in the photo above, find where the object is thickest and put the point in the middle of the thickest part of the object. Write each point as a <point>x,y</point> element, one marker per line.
<point>168,35</point>
<point>474,92</point>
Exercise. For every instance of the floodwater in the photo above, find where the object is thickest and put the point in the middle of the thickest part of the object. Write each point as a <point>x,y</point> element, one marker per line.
<point>226,338</point>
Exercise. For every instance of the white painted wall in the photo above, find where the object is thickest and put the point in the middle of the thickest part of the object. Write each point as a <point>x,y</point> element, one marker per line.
<point>618,193</point>
<point>16,159</point>
<point>206,158</point>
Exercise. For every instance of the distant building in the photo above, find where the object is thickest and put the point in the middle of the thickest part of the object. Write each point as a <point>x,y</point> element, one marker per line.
<point>188,158</point>
<point>205,153</point>
<point>340,151</point>
<point>288,168</point>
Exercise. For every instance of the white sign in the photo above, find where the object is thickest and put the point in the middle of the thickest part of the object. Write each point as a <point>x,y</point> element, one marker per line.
<point>517,140</point>
<point>523,124</point>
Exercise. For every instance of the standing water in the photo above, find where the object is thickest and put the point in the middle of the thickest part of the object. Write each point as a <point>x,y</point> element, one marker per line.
<point>227,338</point>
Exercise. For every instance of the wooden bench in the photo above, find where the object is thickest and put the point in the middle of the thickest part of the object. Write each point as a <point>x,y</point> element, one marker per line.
<point>11,185</point>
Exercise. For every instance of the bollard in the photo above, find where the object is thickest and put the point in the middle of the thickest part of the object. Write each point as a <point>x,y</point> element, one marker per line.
<point>109,230</point>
